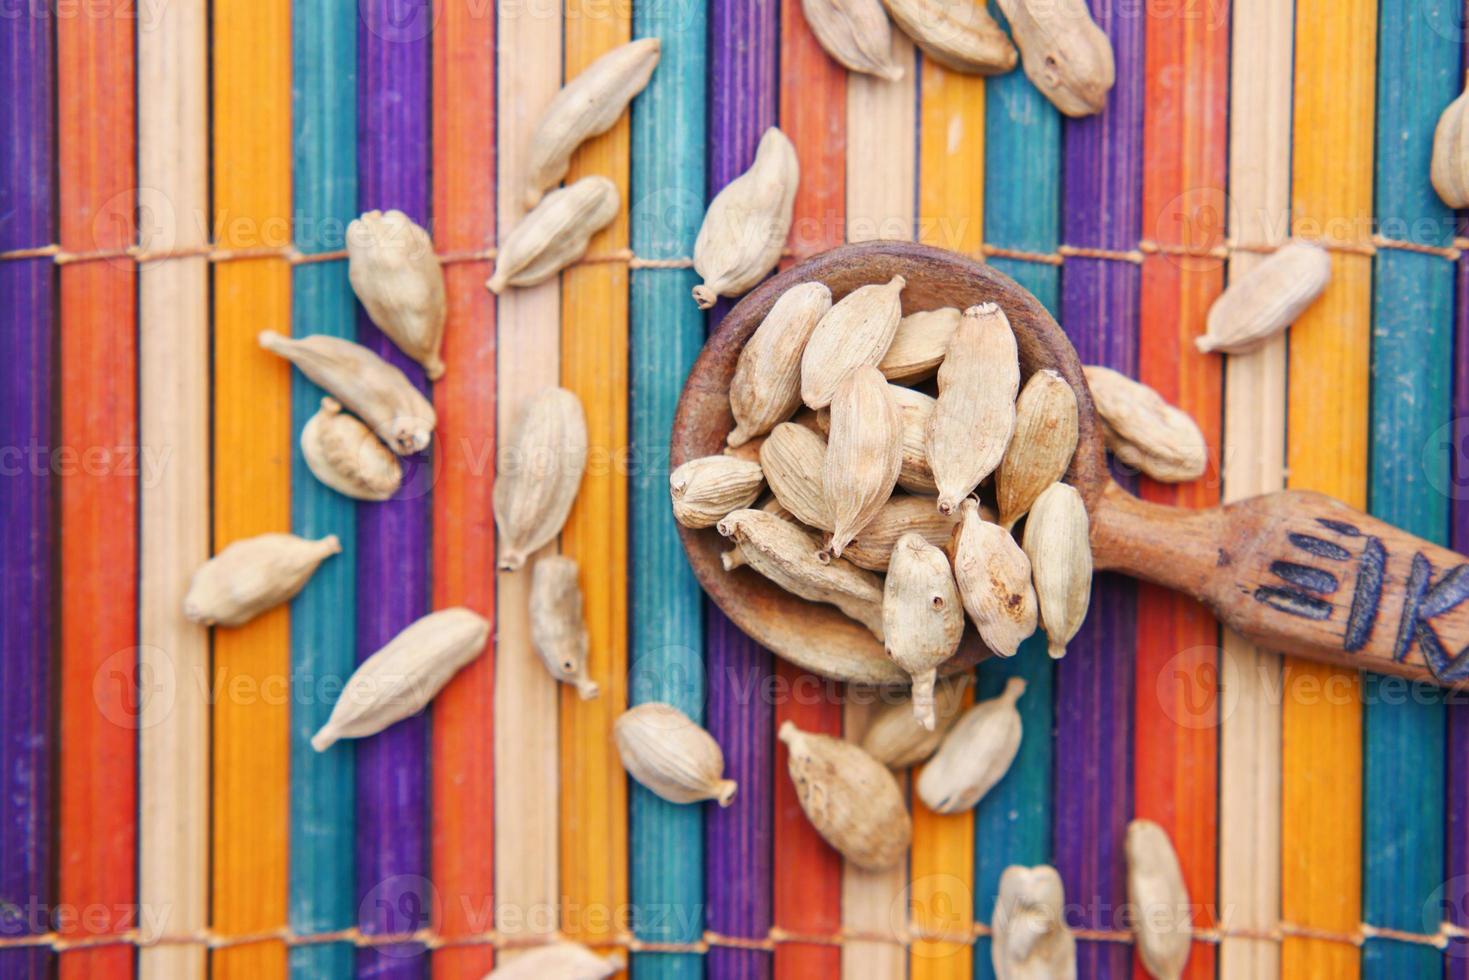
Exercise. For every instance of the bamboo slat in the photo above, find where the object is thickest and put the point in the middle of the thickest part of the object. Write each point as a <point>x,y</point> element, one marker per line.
<point>462,767</point>
<point>1453,435</point>
<point>173,395</point>
<point>1412,359</point>
<point>27,220</point>
<point>394,42</point>
<point>323,886</point>
<point>807,872</point>
<point>252,432</point>
<point>882,145</point>
<point>1252,462</point>
<point>1321,727</point>
<point>1175,734</point>
<point>99,498</point>
<point>527,887</point>
<point>667,331</point>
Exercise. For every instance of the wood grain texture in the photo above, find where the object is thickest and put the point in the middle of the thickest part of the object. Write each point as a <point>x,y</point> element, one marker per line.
<point>174,517</point>
<point>463,799</point>
<point>97,847</point>
<point>323,887</point>
<point>666,659</point>
<point>252,433</point>
<point>27,524</point>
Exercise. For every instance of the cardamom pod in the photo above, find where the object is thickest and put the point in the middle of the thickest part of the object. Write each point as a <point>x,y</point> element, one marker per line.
<point>922,617</point>
<point>974,419</point>
<point>1267,299</point>
<point>856,34</point>
<point>706,489</point>
<point>852,800</point>
<point>958,34</point>
<point>1058,544</point>
<point>1449,167</point>
<point>895,737</point>
<point>1067,56</point>
<point>863,453</point>
<point>556,233</point>
<point>1031,939</point>
<point>1046,429</point>
<point>399,680</point>
<point>557,629</point>
<point>916,408</point>
<point>538,474</point>
<point>856,331</point>
<point>994,581</point>
<point>766,387</point>
<point>587,106</point>
<point>252,575</point>
<point>746,224</point>
<point>919,345</point>
<point>872,548</point>
<point>793,459</point>
<point>1159,900</point>
<point>975,755</point>
<point>557,961</point>
<point>786,555</point>
<point>1144,431</point>
<point>734,557</point>
<point>396,275</point>
<point>666,752</point>
<point>344,454</point>
<point>368,386</point>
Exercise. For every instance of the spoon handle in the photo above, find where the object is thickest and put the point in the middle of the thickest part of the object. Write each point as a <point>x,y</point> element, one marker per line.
<point>1302,573</point>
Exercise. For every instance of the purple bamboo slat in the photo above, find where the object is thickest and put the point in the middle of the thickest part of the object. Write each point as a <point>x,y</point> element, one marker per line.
<point>743,60</point>
<point>1455,901</point>
<point>393,158</point>
<point>27,287</point>
<point>1094,685</point>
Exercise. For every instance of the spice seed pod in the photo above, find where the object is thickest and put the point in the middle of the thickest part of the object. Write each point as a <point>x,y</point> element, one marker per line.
<point>1267,299</point>
<point>793,460</point>
<point>922,617</point>
<point>856,34</point>
<point>705,489</point>
<point>734,557</point>
<point>556,233</point>
<point>975,755</point>
<point>1058,544</point>
<point>558,630</point>
<point>766,387</point>
<point>872,548</point>
<point>897,740</point>
<point>994,581</point>
<point>1449,167</point>
<point>958,34</point>
<point>538,474</point>
<point>1143,430</point>
<point>864,453</point>
<point>974,419</point>
<point>1159,898</point>
<point>1031,938</point>
<point>394,272</point>
<point>1046,431</point>
<point>747,223</point>
<point>852,800</point>
<point>919,345</point>
<point>253,575</point>
<point>856,331</point>
<point>343,453</point>
<point>673,757</point>
<point>1066,55</point>
<point>558,961</point>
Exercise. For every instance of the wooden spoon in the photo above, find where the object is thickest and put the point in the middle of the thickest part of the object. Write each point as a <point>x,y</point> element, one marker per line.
<point>1293,571</point>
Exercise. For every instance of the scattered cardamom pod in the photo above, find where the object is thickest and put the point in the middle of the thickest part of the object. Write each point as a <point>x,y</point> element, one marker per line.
<point>1067,56</point>
<point>785,554</point>
<point>1159,899</point>
<point>895,737</point>
<point>793,459</point>
<point>958,34</point>
<point>665,751</point>
<point>975,755</point>
<point>852,800</point>
<point>399,680</point>
<point>1144,431</point>
<point>1449,167</point>
<point>344,454</point>
<point>556,233</point>
<point>872,548</point>
<point>766,387</point>
<point>253,575</point>
<point>856,331</point>
<point>368,386</point>
<point>558,630</point>
<point>994,581</point>
<point>587,106</point>
<point>1058,544</point>
<point>1031,939</point>
<point>396,275</point>
<point>1267,299</point>
<point>705,489</point>
<point>538,474</point>
<point>863,453</point>
<point>557,961</point>
<point>919,346</point>
<point>746,224</point>
<point>1046,429</point>
<point>922,617</point>
<point>974,419</point>
<point>856,34</point>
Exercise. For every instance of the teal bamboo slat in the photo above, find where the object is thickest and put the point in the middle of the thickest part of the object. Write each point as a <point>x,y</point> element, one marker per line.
<point>667,331</point>
<point>323,625</point>
<point>1412,358</point>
